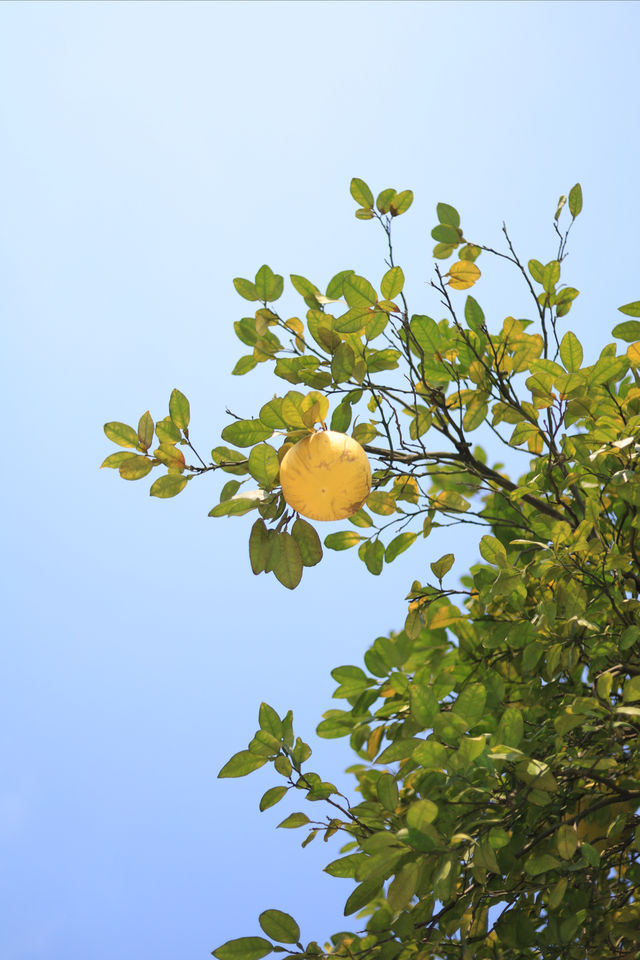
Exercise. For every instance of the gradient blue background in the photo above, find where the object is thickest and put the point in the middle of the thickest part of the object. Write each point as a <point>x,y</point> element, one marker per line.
<point>150,153</point>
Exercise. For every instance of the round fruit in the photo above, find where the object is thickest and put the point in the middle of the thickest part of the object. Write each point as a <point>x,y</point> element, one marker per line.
<point>326,476</point>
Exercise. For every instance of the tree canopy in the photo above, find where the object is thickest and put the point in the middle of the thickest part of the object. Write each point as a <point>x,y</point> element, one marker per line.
<point>497,733</point>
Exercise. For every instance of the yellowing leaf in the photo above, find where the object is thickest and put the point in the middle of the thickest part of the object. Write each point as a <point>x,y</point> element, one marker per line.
<point>463,275</point>
<point>633,352</point>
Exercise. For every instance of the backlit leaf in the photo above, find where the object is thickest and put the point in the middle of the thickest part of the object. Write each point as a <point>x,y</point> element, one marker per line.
<point>294,820</point>
<point>308,542</point>
<point>398,545</point>
<point>288,569</point>
<point>631,309</point>
<point>279,926</point>
<point>268,285</point>
<point>244,948</point>
<point>135,467</point>
<point>566,841</point>
<point>463,275</point>
<point>245,288</point>
<point>361,896</point>
<point>571,351</point>
<point>342,540</point>
<point>264,465</point>
<point>115,460</point>
<point>272,796</point>
<point>443,565</point>
<point>121,434</point>
<point>575,200</point>
<point>358,292</point>
<point>401,203</point>
<point>244,433</point>
<point>448,214</point>
<point>179,409</point>
<point>168,486</point>
<point>259,547</point>
<point>421,813</point>
<point>361,192</point>
<point>241,764</point>
<point>446,233</point>
<point>146,430</point>
<point>383,201</point>
<point>629,331</point>
<point>392,283</point>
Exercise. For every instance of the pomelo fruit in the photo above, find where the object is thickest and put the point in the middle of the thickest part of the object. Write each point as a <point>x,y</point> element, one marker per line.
<point>326,476</point>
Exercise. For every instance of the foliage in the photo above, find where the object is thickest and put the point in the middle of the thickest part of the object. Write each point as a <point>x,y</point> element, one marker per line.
<point>497,741</point>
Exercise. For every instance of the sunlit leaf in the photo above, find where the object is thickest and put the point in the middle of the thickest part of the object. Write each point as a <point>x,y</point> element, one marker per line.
<point>179,410</point>
<point>575,200</point>
<point>241,764</point>
<point>361,192</point>
<point>121,434</point>
<point>168,486</point>
<point>463,275</point>
<point>244,433</point>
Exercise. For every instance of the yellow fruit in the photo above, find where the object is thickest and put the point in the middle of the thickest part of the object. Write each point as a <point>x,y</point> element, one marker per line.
<point>326,476</point>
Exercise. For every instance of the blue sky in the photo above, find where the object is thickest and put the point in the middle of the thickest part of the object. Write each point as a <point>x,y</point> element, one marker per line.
<point>150,153</point>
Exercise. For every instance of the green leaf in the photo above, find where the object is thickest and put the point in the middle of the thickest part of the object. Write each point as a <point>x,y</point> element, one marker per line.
<point>340,418</point>
<point>361,193</point>
<point>179,410</point>
<point>245,288</point>
<point>342,540</point>
<point>566,841</point>
<point>244,433</point>
<point>372,554</point>
<point>264,465</point>
<point>536,270</point>
<point>244,948</point>
<point>492,551</point>
<point>288,568</point>
<point>629,330</point>
<point>511,727</point>
<point>269,720</point>
<point>392,283</point>
<point>443,565</point>
<point>445,233</point>
<point>474,314</point>
<point>448,214</point>
<point>308,542</point>
<point>121,434</point>
<point>421,813</point>
<point>279,926</point>
<point>363,894</point>
<point>294,820</point>
<point>631,309</point>
<point>272,796</point>
<point>244,365</point>
<point>571,351</point>
<point>575,200</point>
<point>442,251</point>
<point>236,506</point>
<point>358,292</point>
<point>115,460</point>
<point>334,287</point>
<point>470,703</point>
<point>241,764</point>
<point>387,790</point>
<point>268,285</point>
<point>551,275</point>
<point>135,467</point>
<point>398,545</point>
<point>383,201</point>
<point>590,854</point>
<point>345,867</point>
<point>401,203</point>
<point>168,486</point>
<point>542,863</point>
<point>364,214</point>
<point>145,430</point>
<point>631,691</point>
<point>342,363</point>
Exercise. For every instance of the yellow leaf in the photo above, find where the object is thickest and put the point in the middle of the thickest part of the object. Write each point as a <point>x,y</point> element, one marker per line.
<point>633,352</point>
<point>463,275</point>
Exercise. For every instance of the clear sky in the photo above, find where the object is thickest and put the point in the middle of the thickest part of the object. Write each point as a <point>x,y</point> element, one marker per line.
<point>149,153</point>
